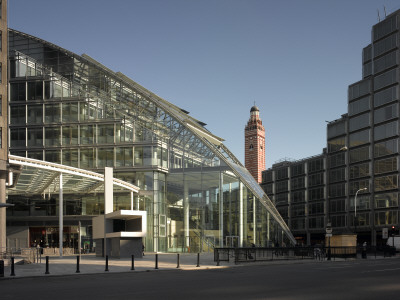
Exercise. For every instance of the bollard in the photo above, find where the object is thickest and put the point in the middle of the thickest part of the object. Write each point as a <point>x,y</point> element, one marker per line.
<point>133,262</point>
<point>198,260</point>
<point>177,260</point>
<point>47,265</point>
<point>12,267</point>
<point>1,268</point>
<point>156,267</point>
<point>106,270</point>
<point>77,264</point>
<point>217,258</point>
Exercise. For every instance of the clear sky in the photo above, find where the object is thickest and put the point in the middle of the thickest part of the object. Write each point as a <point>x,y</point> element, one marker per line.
<point>214,58</point>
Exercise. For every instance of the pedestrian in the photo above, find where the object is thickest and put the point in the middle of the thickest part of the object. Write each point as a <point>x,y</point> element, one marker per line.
<point>364,250</point>
<point>142,249</point>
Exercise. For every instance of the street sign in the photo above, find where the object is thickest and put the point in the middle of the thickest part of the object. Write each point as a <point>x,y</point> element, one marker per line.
<point>385,233</point>
<point>328,229</point>
<point>328,235</point>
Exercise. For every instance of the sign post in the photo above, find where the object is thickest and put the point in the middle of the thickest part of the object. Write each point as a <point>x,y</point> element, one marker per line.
<point>328,231</point>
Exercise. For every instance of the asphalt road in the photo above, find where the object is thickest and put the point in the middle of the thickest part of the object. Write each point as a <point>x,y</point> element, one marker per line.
<point>359,279</point>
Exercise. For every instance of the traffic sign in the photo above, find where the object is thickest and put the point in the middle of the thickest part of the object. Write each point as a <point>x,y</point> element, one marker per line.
<point>385,233</point>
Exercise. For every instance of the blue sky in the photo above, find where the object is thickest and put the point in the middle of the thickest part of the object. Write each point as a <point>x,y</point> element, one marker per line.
<point>214,58</point>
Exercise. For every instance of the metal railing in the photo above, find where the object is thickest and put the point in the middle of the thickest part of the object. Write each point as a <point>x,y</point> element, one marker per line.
<point>28,255</point>
<point>253,254</point>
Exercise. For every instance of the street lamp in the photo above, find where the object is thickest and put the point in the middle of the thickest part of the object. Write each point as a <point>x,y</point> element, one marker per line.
<point>355,209</point>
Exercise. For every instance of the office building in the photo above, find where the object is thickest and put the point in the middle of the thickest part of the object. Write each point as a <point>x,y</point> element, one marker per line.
<point>361,161</point>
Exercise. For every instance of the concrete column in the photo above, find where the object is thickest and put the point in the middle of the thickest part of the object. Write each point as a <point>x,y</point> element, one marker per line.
<point>156,212</point>
<point>61,215</point>
<point>108,190</point>
<point>221,210</point>
<point>3,232</point>
<point>241,219</point>
<point>186,213</point>
<point>108,200</point>
<point>131,200</point>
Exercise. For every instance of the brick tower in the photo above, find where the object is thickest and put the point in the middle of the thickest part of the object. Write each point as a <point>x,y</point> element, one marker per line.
<point>254,144</point>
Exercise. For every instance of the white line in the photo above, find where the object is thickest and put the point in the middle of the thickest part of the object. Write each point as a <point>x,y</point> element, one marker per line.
<point>384,270</point>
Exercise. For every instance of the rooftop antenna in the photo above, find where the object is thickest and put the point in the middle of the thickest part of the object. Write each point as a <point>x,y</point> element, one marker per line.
<point>379,18</point>
<point>384,9</point>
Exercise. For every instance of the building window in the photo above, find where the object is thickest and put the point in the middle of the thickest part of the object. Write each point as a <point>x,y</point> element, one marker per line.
<point>1,106</point>
<point>1,137</point>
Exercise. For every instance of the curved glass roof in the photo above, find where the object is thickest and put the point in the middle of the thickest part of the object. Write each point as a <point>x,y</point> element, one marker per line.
<point>158,119</point>
<point>37,177</point>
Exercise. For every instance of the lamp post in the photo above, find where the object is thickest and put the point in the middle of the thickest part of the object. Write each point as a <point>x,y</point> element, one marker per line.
<point>355,209</point>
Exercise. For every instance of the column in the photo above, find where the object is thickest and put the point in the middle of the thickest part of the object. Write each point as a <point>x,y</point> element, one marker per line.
<point>254,221</point>
<point>61,215</point>
<point>186,213</point>
<point>108,201</point>
<point>3,234</point>
<point>221,209</point>
<point>241,220</point>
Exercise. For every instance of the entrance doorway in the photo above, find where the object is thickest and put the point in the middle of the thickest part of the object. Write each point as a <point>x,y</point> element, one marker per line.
<point>232,241</point>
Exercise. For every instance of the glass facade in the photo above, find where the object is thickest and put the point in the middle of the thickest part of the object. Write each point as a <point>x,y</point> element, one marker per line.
<point>72,110</point>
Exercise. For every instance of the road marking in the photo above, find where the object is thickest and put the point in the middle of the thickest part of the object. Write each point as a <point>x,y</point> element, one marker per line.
<point>384,270</point>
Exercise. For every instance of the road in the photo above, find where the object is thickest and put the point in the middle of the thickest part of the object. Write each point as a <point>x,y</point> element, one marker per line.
<point>359,279</point>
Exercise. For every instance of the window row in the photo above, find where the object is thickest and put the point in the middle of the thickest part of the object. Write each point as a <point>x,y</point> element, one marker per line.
<point>77,135</point>
<point>103,157</point>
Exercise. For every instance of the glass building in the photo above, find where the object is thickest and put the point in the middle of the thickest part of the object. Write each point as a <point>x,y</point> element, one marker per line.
<point>69,109</point>
<point>361,158</point>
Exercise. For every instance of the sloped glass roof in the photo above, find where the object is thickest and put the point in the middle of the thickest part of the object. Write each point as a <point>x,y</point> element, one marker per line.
<point>37,177</point>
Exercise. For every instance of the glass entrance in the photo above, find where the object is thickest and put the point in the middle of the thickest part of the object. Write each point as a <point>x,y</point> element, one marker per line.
<point>232,241</point>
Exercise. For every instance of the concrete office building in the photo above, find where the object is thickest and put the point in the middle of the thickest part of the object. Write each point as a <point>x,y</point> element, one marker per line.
<point>362,154</point>
<point>71,110</point>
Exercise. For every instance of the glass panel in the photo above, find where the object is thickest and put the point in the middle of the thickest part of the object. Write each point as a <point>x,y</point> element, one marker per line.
<point>35,114</point>
<point>124,156</point>
<point>386,183</point>
<point>70,135</point>
<point>386,113</point>
<point>387,200</point>
<point>52,113</point>
<point>386,130</point>
<point>35,136</point>
<point>386,148</point>
<point>359,138</point>
<point>53,136</point>
<point>87,134</point>
<point>87,158</point>
<point>359,122</point>
<point>105,157</point>
<point>70,157</point>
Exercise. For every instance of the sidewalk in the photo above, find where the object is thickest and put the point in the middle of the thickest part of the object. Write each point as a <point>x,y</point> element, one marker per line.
<point>90,264</point>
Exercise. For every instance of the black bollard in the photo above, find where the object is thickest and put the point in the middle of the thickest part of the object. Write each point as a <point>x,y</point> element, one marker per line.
<point>177,260</point>
<point>12,267</point>
<point>133,262</point>
<point>198,260</point>
<point>156,267</point>
<point>47,265</point>
<point>106,270</point>
<point>1,268</point>
<point>77,264</point>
